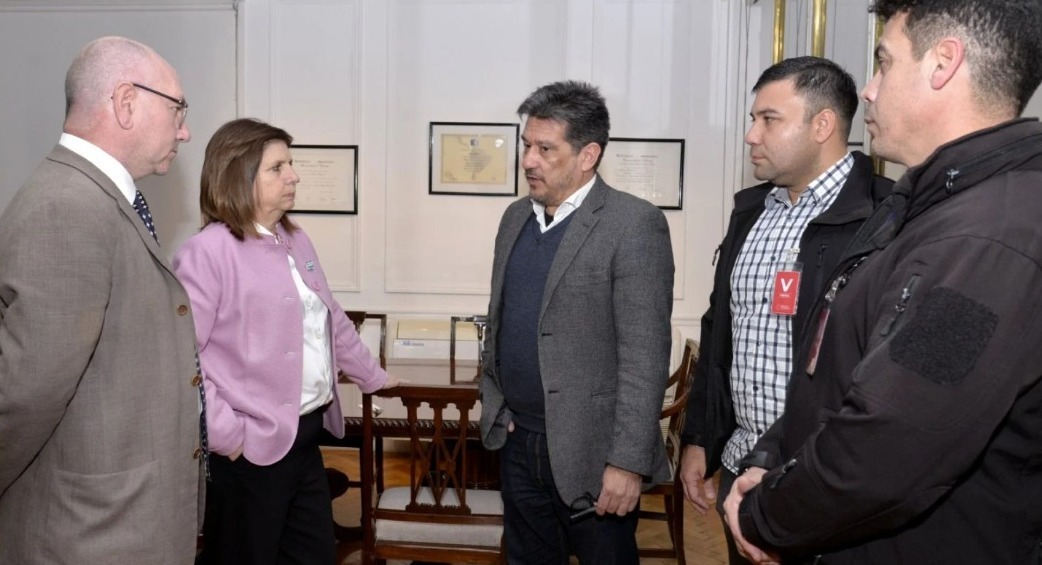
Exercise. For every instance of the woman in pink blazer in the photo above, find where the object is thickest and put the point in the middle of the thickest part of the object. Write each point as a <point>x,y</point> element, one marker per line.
<point>271,341</point>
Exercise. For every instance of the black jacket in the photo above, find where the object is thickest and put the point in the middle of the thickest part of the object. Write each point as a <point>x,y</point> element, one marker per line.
<point>918,439</point>
<point>710,419</point>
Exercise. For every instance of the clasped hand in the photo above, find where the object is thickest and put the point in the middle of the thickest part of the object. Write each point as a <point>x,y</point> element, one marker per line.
<point>743,484</point>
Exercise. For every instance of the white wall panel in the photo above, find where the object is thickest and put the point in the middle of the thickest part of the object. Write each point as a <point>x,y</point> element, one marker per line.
<point>641,57</point>
<point>316,69</point>
<point>315,94</point>
<point>455,61</point>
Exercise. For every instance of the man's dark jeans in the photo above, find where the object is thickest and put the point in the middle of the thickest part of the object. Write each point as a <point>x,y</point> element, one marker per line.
<point>537,528</point>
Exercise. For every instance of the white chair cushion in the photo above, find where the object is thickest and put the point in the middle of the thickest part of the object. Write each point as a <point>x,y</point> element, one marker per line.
<point>479,501</point>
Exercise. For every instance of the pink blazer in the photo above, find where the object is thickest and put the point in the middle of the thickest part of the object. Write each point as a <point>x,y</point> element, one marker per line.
<point>249,329</point>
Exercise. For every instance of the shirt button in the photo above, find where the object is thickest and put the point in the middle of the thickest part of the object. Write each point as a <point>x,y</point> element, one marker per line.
<point>197,453</point>
<point>182,310</point>
<point>197,380</point>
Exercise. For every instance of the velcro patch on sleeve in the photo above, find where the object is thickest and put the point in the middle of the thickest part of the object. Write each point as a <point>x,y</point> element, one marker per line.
<point>947,335</point>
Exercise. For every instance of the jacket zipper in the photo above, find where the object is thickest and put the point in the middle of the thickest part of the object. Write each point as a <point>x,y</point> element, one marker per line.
<point>819,272</point>
<point>902,304</point>
<point>841,281</point>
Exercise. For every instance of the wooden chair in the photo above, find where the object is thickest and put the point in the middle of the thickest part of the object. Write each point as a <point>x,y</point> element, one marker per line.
<point>358,317</point>
<point>435,517</point>
<point>672,491</point>
<point>479,321</point>
<point>339,482</point>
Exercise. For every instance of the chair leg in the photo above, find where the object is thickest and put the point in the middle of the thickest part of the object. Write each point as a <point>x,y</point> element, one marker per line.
<point>378,451</point>
<point>675,520</point>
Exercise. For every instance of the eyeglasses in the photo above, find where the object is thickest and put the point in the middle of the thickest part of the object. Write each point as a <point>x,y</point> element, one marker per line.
<point>582,507</point>
<point>182,104</point>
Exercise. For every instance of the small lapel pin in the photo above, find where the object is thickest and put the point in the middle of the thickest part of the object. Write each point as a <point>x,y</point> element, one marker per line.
<point>310,265</point>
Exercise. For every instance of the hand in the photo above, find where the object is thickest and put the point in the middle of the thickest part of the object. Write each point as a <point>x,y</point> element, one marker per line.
<point>620,491</point>
<point>743,484</point>
<point>699,491</point>
<point>393,381</point>
<point>235,455</point>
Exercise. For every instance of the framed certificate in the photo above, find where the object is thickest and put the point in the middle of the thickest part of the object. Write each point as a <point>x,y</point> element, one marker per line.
<point>473,158</point>
<point>328,179</point>
<point>652,169</point>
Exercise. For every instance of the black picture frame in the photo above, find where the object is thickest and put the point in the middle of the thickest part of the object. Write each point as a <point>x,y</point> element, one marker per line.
<point>473,158</point>
<point>650,168</point>
<point>328,179</point>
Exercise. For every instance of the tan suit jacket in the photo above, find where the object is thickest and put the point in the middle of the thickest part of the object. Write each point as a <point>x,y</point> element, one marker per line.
<point>99,412</point>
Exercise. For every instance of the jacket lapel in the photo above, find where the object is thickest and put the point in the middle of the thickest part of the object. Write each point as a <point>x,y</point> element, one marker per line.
<point>582,224</point>
<point>63,155</point>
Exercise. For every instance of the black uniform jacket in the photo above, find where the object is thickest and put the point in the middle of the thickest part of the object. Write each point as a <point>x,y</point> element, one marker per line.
<point>918,439</point>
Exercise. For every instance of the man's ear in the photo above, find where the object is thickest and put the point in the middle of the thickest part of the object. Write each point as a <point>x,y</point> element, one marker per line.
<point>825,124</point>
<point>948,56</point>
<point>588,156</point>
<point>123,104</point>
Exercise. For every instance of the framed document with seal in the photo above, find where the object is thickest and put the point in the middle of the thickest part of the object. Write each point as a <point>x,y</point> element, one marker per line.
<point>328,179</point>
<point>652,169</point>
<point>474,159</point>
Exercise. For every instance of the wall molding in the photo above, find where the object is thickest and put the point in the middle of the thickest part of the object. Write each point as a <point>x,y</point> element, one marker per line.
<point>114,5</point>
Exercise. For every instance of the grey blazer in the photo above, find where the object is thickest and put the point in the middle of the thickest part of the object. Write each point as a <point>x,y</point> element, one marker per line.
<point>99,416</point>
<point>604,341</point>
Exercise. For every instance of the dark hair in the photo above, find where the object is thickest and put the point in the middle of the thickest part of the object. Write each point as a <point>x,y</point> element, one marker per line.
<point>1003,40</point>
<point>578,106</point>
<point>233,157</point>
<point>821,83</point>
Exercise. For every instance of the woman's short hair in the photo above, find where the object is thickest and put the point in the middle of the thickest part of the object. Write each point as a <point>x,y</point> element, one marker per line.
<point>233,157</point>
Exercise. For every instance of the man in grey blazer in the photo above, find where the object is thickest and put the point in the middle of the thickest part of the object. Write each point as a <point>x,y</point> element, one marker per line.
<point>99,407</point>
<point>578,342</point>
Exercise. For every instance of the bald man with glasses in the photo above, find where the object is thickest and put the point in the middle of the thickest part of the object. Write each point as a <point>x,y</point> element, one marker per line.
<point>100,446</point>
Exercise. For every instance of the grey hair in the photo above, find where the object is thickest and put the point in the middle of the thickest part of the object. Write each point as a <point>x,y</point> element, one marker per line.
<point>578,106</point>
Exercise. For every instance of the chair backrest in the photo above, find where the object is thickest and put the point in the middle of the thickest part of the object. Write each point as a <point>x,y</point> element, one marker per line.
<point>672,491</point>
<point>358,318</point>
<point>438,468</point>
<point>479,321</point>
<point>674,413</point>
